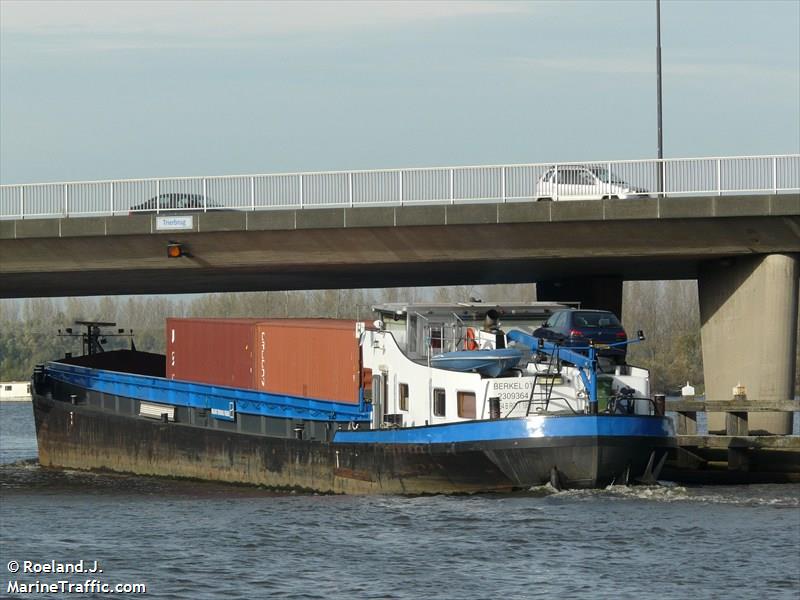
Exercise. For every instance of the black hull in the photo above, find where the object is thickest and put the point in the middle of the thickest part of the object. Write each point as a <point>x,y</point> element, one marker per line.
<point>89,437</point>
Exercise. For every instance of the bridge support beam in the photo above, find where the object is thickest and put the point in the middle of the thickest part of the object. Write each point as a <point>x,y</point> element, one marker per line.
<point>748,315</point>
<point>592,292</point>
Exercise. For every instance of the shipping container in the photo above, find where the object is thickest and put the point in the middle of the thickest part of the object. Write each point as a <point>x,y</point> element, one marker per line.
<point>215,351</point>
<point>312,358</point>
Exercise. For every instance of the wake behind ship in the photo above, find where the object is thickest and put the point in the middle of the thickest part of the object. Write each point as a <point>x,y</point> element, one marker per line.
<point>428,398</point>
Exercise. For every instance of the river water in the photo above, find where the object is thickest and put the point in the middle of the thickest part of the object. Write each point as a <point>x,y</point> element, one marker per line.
<point>195,540</point>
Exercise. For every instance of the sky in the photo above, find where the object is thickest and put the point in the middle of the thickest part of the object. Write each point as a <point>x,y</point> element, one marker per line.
<point>117,90</point>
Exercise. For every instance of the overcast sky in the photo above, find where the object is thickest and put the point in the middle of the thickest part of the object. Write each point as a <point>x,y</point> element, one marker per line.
<point>93,90</point>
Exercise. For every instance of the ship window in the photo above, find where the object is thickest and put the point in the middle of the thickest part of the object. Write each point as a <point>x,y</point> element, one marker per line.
<point>436,337</point>
<point>403,396</point>
<point>438,402</point>
<point>411,334</point>
<point>466,405</point>
<point>8,388</point>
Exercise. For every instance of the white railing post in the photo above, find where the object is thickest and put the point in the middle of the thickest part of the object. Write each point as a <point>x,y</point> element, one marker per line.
<point>608,175</point>
<point>663,167</point>
<point>22,202</point>
<point>400,175</point>
<point>158,196</point>
<point>66,201</point>
<point>503,183</point>
<point>252,193</point>
<point>111,196</point>
<point>452,187</point>
<point>301,191</point>
<point>350,188</point>
<point>774,174</point>
<point>719,177</point>
<point>205,196</point>
<point>554,184</point>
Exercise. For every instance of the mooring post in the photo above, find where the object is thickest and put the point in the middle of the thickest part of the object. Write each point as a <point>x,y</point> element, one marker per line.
<point>687,422</point>
<point>687,419</point>
<point>738,459</point>
<point>736,423</point>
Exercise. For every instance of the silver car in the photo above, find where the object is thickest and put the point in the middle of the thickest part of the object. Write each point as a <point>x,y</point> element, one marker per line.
<point>581,182</point>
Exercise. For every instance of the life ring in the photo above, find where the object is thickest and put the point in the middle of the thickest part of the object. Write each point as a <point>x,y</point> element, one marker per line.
<point>470,343</point>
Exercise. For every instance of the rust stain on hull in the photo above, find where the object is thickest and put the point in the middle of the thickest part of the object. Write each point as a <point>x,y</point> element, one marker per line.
<point>83,437</point>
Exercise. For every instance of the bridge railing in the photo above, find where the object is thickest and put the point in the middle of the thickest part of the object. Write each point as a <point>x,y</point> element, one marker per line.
<point>397,187</point>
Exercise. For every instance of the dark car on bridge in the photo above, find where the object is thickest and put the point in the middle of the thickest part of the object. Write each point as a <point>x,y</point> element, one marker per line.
<point>579,327</point>
<point>175,201</point>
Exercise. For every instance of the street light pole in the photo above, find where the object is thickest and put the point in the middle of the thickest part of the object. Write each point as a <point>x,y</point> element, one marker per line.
<point>658,93</point>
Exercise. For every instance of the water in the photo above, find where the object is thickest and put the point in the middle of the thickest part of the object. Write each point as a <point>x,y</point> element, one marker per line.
<point>197,540</point>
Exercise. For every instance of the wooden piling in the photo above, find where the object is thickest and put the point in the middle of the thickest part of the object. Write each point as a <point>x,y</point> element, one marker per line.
<point>737,456</point>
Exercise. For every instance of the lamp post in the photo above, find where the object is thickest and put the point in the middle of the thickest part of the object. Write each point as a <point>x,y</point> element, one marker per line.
<point>660,166</point>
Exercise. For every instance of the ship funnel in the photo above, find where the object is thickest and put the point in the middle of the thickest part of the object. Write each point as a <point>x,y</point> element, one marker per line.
<point>491,321</point>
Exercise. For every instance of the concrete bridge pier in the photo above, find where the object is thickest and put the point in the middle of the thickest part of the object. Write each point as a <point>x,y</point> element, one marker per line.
<point>748,315</point>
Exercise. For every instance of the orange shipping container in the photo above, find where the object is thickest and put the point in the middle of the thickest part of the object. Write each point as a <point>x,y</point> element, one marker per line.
<point>313,358</point>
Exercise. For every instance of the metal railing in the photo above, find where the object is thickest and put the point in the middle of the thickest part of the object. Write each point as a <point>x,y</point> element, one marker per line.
<point>404,187</point>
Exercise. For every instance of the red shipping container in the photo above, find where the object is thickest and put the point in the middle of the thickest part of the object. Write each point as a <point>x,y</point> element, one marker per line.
<point>313,358</point>
<point>215,351</point>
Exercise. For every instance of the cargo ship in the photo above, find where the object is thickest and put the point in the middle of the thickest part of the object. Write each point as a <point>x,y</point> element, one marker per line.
<point>423,398</point>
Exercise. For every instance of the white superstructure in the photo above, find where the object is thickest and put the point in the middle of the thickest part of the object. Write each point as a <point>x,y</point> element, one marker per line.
<point>15,391</point>
<point>406,391</point>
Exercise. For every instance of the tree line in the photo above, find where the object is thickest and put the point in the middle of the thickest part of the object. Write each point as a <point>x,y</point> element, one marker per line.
<point>667,311</point>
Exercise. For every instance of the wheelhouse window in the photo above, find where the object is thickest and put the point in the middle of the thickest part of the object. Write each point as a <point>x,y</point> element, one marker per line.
<point>466,405</point>
<point>438,402</point>
<point>402,397</point>
<point>436,338</point>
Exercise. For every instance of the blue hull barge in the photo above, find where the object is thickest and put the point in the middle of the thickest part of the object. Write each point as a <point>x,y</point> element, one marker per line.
<point>414,428</point>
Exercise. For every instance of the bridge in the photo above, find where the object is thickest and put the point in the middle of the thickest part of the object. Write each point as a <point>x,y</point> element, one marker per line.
<point>732,223</point>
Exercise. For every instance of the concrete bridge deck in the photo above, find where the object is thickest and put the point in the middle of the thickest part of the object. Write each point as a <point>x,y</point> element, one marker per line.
<point>653,238</point>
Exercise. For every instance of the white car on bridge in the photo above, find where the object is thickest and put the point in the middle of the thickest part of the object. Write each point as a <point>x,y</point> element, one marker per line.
<point>584,182</point>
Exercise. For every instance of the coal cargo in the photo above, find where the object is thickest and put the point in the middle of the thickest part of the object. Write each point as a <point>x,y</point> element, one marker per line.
<point>312,358</point>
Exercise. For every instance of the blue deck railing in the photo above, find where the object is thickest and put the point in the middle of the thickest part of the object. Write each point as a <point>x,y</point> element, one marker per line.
<point>210,397</point>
